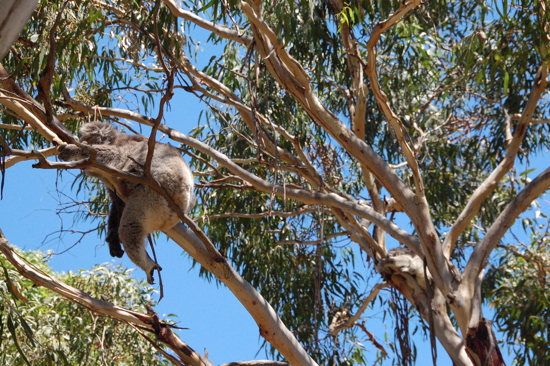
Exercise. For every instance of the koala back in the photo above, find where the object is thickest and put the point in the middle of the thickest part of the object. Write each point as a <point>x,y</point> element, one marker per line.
<point>169,169</point>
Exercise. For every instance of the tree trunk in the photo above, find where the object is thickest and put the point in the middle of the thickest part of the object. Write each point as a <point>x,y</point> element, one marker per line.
<point>482,346</point>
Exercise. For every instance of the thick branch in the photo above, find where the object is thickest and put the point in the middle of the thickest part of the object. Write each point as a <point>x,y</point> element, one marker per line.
<point>15,14</point>
<point>450,340</point>
<point>115,112</point>
<point>357,105</point>
<point>15,127</point>
<point>30,110</point>
<point>381,97</point>
<point>21,155</point>
<point>17,105</point>
<point>73,294</point>
<point>270,325</point>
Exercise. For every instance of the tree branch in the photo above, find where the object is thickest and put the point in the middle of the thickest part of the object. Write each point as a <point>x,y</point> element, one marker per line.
<point>221,31</point>
<point>16,104</point>
<point>30,110</point>
<point>358,112</point>
<point>256,216</point>
<point>16,127</point>
<point>488,186</point>
<point>481,253</point>
<point>335,327</point>
<point>313,242</point>
<point>15,13</point>
<point>145,322</point>
<point>22,155</point>
<point>382,98</point>
<point>131,62</point>
<point>270,325</point>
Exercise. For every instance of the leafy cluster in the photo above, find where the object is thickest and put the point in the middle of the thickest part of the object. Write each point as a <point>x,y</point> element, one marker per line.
<point>41,328</point>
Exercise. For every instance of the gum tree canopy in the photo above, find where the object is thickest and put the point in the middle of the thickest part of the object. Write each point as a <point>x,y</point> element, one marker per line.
<point>348,151</point>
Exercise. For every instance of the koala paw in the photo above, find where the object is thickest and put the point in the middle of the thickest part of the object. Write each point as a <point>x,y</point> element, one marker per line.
<point>115,249</point>
<point>71,152</point>
<point>150,278</point>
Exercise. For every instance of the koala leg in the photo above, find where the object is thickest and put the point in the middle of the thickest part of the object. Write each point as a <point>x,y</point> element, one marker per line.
<point>113,225</point>
<point>132,233</point>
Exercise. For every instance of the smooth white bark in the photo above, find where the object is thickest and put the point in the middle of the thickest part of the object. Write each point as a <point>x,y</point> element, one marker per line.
<point>270,325</point>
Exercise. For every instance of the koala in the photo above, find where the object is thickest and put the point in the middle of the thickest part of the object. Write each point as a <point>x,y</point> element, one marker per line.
<point>136,209</point>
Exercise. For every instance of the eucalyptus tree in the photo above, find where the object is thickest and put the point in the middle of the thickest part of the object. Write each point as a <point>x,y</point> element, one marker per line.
<point>345,148</point>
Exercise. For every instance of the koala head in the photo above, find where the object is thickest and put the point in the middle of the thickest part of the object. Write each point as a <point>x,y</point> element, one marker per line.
<point>98,133</point>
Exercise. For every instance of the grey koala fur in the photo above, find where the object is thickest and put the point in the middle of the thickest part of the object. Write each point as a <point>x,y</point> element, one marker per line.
<point>136,209</point>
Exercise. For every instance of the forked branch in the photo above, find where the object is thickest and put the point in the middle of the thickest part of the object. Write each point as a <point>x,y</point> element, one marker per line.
<point>505,220</point>
<point>489,185</point>
<point>382,98</point>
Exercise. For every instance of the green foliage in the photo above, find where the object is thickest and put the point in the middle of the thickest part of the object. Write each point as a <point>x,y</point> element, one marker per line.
<point>38,327</point>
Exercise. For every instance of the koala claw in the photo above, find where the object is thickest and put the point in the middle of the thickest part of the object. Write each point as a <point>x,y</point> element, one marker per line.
<point>150,278</point>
